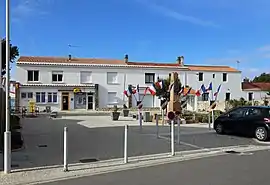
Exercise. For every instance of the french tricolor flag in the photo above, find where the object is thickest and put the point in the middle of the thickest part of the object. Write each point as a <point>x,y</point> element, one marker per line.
<point>218,89</point>
<point>151,89</point>
<point>130,90</point>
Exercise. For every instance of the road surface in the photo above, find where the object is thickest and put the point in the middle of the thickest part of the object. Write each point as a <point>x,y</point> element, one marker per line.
<point>230,169</point>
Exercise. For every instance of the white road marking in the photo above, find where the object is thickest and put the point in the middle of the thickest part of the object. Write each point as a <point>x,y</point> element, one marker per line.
<point>261,142</point>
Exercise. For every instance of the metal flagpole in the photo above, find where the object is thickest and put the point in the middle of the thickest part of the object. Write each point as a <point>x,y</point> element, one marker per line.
<point>7,142</point>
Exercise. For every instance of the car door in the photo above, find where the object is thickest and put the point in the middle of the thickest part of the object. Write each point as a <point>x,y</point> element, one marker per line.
<point>250,121</point>
<point>235,119</point>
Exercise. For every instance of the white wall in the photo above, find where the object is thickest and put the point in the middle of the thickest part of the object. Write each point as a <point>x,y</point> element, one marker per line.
<point>132,76</point>
<point>257,95</point>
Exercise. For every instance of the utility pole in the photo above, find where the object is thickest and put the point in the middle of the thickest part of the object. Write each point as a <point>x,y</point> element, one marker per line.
<point>7,135</point>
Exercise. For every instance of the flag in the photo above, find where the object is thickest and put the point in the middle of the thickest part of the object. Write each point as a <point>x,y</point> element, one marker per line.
<point>160,84</point>
<point>198,92</point>
<point>151,89</point>
<point>203,88</point>
<point>130,90</point>
<point>210,87</point>
<point>218,89</point>
<point>189,90</point>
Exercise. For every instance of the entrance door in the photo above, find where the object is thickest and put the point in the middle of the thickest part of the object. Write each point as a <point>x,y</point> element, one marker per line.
<point>90,102</point>
<point>65,102</point>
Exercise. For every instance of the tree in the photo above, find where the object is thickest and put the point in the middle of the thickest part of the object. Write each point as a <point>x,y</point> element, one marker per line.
<point>264,77</point>
<point>14,53</point>
<point>246,79</point>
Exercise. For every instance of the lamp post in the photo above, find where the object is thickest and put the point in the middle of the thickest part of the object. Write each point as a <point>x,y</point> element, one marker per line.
<point>7,134</point>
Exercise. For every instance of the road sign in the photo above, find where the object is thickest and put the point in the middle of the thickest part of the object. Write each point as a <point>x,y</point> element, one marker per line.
<point>171,115</point>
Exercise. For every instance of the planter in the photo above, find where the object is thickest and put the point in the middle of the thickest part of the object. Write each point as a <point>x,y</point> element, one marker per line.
<point>125,112</point>
<point>115,116</point>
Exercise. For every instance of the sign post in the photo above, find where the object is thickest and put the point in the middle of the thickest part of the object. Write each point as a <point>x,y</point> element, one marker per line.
<point>171,117</point>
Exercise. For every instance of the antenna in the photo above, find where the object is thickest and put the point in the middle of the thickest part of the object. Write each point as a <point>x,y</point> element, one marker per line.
<point>237,63</point>
<point>72,46</point>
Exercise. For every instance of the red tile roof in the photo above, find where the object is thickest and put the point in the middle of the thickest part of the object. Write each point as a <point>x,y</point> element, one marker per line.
<point>256,86</point>
<point>122,62</point>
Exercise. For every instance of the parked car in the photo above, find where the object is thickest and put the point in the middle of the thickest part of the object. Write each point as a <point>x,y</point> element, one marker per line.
<point>248,120</point>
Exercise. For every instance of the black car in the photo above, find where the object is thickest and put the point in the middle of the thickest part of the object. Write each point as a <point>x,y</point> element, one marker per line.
<point>249,120</point>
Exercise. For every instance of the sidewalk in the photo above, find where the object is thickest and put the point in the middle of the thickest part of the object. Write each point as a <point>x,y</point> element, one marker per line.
<point>55,173</point>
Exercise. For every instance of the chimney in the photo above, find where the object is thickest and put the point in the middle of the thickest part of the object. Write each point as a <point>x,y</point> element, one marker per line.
<point>180,60</point>
<point>126,59</point>
<point>69,57</point>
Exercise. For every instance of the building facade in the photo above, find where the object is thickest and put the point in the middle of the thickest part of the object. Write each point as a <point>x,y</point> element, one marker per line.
<point>256,91</point>
<point>92,84</point>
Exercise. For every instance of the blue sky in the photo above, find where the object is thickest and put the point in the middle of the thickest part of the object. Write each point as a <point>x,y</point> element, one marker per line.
<point>216,32</point>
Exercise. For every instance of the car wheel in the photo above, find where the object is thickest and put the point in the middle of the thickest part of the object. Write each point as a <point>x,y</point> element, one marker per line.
<point>219,129</point>
<point>261,134</point>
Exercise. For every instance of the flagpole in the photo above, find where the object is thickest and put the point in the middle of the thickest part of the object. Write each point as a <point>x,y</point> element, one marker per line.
<point>212,112</point>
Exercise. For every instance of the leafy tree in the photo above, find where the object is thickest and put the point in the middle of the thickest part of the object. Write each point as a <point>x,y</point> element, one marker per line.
<point>264,77</point>
<point>14,53</point>
<point>164,91</point>
<point>268,93</point>
<point>246,79</point>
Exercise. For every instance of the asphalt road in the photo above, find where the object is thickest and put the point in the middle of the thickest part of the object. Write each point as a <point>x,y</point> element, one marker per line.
<point>230,169</point>
<point>44,142</point>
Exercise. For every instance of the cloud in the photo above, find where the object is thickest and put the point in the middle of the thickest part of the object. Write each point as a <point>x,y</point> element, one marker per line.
<point>265,48</point>
<point>28,8</point>
<point>176,15</point>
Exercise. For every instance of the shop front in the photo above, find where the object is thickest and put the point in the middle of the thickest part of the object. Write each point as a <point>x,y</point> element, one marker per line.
<point>83,99</point>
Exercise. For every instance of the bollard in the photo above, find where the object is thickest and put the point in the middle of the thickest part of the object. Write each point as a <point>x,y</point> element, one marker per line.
<point>209,121</point>
<point>65,149</point>
<point>126,144</point>
<point>178,131</point>
<point>213,119</point>
<point>172,138</point>
<point>157,127</point>
<point>140,119</point>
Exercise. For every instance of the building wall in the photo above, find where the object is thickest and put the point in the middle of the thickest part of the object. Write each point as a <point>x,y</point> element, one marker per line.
<point>131,76</point>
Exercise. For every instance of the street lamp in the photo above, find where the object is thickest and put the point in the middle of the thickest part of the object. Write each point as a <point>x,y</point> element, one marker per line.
<point>7,134</point>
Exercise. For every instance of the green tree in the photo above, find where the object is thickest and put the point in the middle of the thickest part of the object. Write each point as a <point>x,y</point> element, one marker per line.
<point>264,77</point>
<point>163,92</point>
<point>14,53</point>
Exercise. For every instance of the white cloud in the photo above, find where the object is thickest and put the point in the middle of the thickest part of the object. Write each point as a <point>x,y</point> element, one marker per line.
<point>176,15</point>
<point>265,48</point>
<point>29,8</point>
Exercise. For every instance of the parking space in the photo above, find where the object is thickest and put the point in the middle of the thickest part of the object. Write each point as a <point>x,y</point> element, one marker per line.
<point>91,140</point>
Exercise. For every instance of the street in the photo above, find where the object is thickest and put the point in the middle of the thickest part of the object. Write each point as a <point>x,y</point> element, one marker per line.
<point>229,169</point>
<point>89,141</point>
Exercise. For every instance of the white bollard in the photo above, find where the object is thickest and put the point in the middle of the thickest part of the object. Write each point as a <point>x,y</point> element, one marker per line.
<point>126,144</point>
<point>65,149</point>
<point>178,131</point>
<point>172,138</point>
<point>213,119</point>
<point>157,126</point>
<point>140,119</point>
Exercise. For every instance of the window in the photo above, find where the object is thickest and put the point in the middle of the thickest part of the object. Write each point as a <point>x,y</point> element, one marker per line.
<point>205,96</point>
<point>224,77</point>
<point>112,98</point>
<point>149,77</point>
<point>86,77</point>
<point>227,96</point>
<point>214,75</point>
<point>253,112</point>
<point>30,95</point>
<point>250,96</point>
<point>23,95</point>
<point>52,97</point>
<point>40,97</point>
<point>112,78</point>
<point>57,76</point>
<point>33,76</point>
<point>200,77</point>
<point>238,113</point>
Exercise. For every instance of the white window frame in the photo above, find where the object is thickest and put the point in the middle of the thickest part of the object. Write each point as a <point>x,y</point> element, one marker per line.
<point>114,75</point>
<point>40,94</point>
<point>57,73</point>
<point>85,75</point>
<point>110,102</point>
<point>33,73</point>
<point>52,95</point>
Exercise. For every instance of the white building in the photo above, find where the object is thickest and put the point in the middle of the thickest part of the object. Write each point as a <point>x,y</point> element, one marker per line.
<point>50,81</point>
<point>257,91</point>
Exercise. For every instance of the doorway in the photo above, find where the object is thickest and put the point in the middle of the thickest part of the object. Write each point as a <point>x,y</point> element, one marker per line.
<point>90,104</point>
<point>65,101</point>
